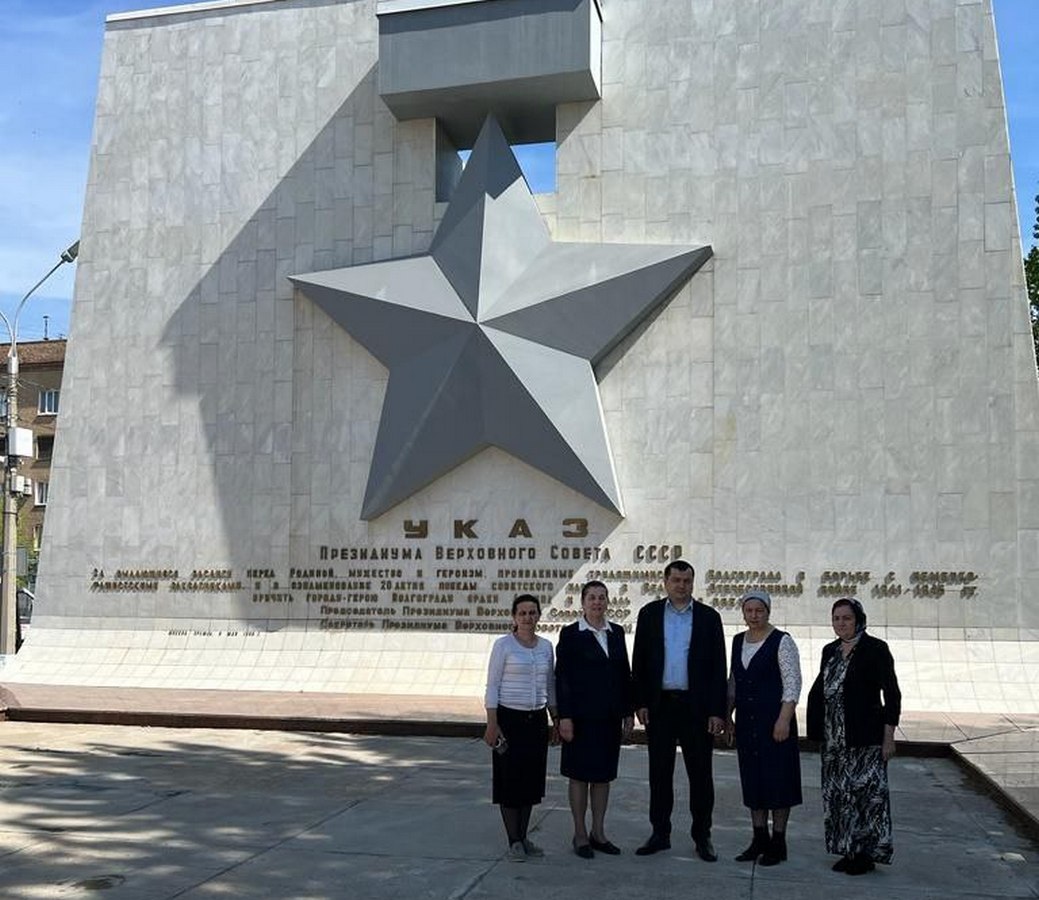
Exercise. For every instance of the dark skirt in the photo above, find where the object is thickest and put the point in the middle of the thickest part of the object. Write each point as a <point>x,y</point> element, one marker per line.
<point>519,772</point>
<point>770,773</point>
<point>594,752</point>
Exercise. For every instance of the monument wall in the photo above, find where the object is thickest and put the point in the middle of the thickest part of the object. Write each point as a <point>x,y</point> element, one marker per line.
<point>842,401</point>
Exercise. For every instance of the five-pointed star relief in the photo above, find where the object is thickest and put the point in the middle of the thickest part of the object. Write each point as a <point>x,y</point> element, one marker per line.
<point>491,338</point>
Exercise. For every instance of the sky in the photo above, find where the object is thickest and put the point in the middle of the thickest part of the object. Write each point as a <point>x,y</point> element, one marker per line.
<point>49,60</point>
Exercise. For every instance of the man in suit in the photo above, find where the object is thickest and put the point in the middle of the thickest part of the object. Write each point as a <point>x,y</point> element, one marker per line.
<point>678,667</point>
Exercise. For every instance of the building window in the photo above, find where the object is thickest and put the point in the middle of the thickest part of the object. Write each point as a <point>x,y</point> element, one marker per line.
<point>40,490</point>
<point>37,537</point>
<point>44,446</point>
<point>49,403</point>
<point>3,405</point>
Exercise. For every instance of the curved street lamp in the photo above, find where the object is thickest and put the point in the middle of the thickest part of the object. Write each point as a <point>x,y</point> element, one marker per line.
<point>9,593</point>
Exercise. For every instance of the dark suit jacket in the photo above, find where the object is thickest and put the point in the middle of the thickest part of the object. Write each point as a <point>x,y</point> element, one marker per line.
<point>590,684</point>
<point>871,672</point>
<point>707,680</point>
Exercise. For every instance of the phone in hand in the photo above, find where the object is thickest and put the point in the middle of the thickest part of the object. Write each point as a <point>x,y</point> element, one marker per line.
<point>501,745</point>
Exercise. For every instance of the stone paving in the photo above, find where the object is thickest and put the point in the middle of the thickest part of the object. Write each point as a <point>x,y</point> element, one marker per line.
<point>163,813</point>
<point>1002,751</point>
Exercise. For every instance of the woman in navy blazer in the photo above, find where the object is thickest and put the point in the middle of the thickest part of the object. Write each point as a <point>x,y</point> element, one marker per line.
<point>594,696</point>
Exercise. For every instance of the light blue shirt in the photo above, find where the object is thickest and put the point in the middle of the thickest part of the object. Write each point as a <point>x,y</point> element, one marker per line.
<point>678,634</point>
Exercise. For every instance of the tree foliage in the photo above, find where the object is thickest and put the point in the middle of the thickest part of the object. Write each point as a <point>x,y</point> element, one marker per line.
<point>1032,279</point>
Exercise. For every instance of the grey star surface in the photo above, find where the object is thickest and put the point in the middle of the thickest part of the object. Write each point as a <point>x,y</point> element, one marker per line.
<point>491,338</point>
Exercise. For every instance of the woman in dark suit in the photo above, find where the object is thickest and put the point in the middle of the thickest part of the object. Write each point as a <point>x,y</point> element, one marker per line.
<point>593,693</point>
<point>853,709</point>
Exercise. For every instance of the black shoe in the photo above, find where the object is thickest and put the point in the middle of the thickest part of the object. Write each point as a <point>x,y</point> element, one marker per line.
<point>705,849</point>
<point>842,864</point>
<point>860,864</point>
<point>758,845</point>
<point>655,844</point>
<point>583,850</point>
<point>775,852</point>
<point>607,847</point>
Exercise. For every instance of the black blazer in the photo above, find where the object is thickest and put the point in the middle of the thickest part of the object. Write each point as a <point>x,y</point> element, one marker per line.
<point>590,684</point>
<point>871,673</point>
<point>707,680</point>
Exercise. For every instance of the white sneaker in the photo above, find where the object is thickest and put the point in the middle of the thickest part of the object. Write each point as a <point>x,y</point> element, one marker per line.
<point>516,852</point>
<point>532,849</point>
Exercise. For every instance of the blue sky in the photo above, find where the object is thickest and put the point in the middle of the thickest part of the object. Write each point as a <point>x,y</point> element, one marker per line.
<point>49,58</point>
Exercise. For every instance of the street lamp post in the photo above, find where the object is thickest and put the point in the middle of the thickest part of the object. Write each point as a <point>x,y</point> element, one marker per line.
<point>9,592</point>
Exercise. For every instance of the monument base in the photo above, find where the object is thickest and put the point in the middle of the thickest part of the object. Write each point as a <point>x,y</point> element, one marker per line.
<point>938,673</point>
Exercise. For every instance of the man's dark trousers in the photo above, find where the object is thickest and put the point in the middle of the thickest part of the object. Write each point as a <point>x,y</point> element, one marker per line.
<point>672,724</point>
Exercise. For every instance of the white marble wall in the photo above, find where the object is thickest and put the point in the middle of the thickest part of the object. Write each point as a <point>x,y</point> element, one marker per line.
<point>849,384</point>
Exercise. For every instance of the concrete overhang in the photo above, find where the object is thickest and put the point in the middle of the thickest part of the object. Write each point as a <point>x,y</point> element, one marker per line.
<point>458,60</point>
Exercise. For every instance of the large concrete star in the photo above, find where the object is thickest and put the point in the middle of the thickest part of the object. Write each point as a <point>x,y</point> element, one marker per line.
<point>491,338</point>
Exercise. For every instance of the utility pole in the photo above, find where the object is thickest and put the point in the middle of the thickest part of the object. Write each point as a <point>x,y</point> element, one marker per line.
<point>9,605</point>
<point>9,593</point>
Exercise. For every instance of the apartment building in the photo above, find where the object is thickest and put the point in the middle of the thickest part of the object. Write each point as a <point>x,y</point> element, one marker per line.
<point>40,366</point>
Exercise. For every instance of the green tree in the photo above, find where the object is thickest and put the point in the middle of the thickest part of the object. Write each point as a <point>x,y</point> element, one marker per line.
<point>1032,279</point>
<point>25,542</point>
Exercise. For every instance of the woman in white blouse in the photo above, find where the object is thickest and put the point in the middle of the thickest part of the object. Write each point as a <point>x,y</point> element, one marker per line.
<point>520,689</point>
<point>764,686</point>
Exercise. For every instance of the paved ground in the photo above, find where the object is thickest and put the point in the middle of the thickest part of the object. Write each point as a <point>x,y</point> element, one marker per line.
<point>1001,750</point>
<point>156,814</point>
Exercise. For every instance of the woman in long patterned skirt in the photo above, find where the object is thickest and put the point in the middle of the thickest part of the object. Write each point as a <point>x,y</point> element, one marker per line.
<point>853,709</point>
